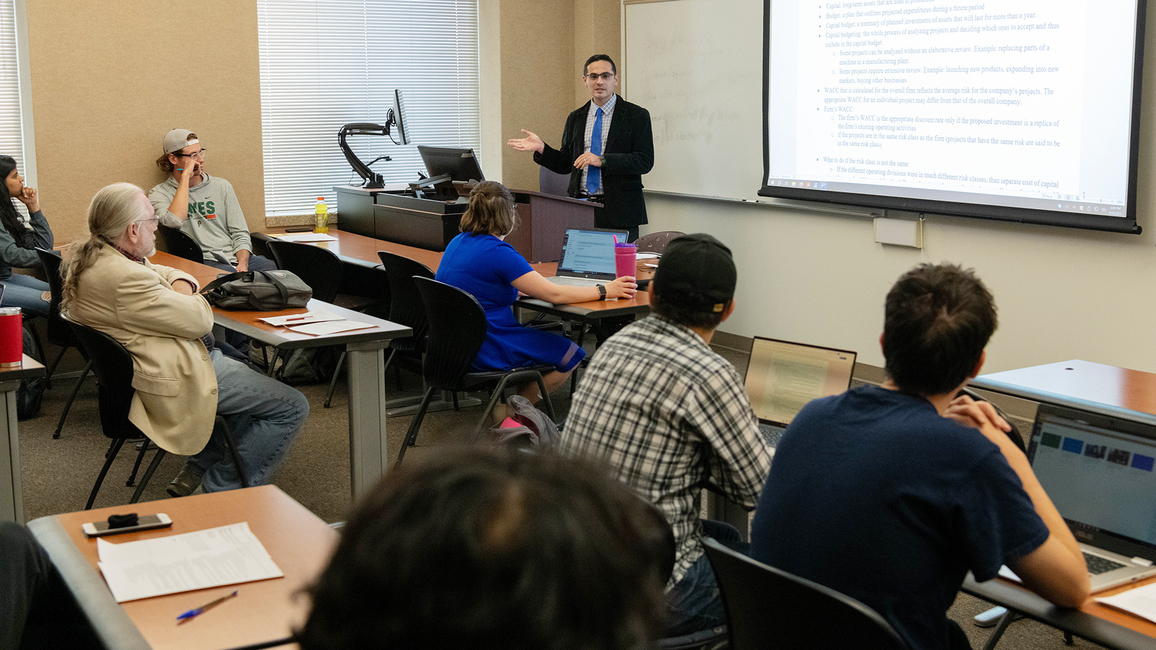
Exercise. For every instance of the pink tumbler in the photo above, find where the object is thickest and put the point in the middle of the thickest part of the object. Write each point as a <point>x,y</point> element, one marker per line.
<point>625,259</point>
<point>11,337</point>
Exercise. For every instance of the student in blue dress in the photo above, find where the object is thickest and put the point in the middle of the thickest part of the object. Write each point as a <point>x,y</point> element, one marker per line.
<point>480,262</point>
<point>17,242</point>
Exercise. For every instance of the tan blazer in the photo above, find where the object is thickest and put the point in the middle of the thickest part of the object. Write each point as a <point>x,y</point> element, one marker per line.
<point>176,389</point>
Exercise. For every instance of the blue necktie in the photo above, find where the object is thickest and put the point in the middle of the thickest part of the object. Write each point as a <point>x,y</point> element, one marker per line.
<point>594,174</point>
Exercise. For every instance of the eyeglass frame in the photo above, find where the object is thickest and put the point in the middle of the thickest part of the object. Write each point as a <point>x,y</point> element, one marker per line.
<point>197,154</point>
<point>605,76</point>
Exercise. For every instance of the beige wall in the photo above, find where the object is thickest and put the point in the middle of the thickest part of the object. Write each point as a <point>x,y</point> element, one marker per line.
<point>106,86</point>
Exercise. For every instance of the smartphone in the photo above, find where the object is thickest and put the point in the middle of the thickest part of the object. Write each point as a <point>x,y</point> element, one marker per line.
<point>146,522</point>
<point>294,229</point>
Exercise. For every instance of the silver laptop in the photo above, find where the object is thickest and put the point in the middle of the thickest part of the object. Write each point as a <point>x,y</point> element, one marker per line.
<point>587,257</point>
<point>783,376</point>
<point>1101,473</point>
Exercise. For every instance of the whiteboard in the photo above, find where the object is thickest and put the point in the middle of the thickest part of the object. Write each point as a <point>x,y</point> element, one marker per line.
<point>696,65</point>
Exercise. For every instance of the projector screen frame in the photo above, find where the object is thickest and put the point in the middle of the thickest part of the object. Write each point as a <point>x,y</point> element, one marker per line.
<point>1125,224</point>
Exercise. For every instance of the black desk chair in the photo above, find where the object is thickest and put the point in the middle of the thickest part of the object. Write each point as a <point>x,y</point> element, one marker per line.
<point>114,373</point>
<point>770,608</point>
<point>59,333</point>
<point>656,242</point>
<point>457,327</point>
<point>318,268</point>
<point>552,183</point>
<point>405,307</point>
<point>178,243</point>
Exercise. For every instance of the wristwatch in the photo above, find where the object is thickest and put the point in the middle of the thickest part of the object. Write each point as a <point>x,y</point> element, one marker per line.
<point>601,291</point>
<point>602,161</point>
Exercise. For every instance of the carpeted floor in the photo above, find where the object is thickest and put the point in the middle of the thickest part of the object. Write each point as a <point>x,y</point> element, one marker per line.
<point>58,473</point>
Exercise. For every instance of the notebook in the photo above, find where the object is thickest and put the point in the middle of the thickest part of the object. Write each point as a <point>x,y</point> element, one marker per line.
<point>587,257</point>
<point>1100,472</point>
<point>783,376</point>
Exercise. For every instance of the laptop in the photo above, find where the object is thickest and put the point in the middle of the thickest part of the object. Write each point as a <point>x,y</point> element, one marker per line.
<point>1100,472</point>
<point>587,257</point>
<point>783,376</point>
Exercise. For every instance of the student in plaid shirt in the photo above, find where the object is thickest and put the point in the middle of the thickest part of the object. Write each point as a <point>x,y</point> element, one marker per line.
<point>670,416</point>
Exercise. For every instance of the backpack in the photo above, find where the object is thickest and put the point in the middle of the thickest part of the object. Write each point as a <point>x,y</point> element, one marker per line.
<point>31,391</point>
<point>529,427</point>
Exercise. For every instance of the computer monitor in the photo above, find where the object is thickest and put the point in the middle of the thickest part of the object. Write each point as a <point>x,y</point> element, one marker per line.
<point>398,119</point>
<point>460,164</point>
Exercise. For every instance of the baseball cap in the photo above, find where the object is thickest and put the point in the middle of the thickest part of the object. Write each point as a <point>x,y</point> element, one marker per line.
<point>696,272</point>
<point>177,139</point>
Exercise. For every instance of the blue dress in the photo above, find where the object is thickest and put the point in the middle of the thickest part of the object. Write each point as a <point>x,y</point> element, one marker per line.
<point>485,266</point>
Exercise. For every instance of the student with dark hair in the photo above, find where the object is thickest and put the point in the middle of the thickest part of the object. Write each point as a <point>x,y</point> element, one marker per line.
<point>892,493</point>
<point>18,241</point>
<point>480,262</point>
<point>607,145</point>
<point>669,416</point>
<point>493,549</point>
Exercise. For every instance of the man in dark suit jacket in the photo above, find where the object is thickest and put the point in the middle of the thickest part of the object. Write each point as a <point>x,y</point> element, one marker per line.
<point>606,166</point>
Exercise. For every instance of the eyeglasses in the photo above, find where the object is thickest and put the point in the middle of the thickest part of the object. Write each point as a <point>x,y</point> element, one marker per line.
<point>605,76</point>
<point>144,221</point>
<point>196,154</point>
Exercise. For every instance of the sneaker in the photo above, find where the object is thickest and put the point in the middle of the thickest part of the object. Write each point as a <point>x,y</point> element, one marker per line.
<point>184,484</point>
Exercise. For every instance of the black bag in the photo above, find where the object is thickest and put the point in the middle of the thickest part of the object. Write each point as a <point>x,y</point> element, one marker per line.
<point>258,291</point>
<point>31,391</point>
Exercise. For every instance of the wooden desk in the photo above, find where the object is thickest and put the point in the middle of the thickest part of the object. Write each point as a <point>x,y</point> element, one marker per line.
<point>297,540</point>
<point>368,456</point>
<point>1095,387</point>
<point>1092,621</point>
<point>11,490</point>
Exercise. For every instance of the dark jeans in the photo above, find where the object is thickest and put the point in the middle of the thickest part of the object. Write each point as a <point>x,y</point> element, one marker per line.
<point>36,608</point>
<point>693,604</point>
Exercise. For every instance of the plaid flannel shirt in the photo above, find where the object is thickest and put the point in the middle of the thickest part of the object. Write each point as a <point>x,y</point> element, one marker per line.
<point>669,415</point>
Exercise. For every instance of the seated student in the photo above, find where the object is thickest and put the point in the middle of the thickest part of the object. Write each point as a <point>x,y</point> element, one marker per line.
<point>182,379</point>
<point>480,262</point>
<point>891,494</point>
<point>493,549</point>
<point>36,608</point>
<point>671,416</point>
<point>17,242</point>
<point>203,207</point>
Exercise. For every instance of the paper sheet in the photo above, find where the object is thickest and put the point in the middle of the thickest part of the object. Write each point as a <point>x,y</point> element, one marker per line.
<point>1140,601</point>
<point>167,565</point>
<point>318,316</point>
<point>306,237</point>
<point>647,256</point>
<point>331,327</point>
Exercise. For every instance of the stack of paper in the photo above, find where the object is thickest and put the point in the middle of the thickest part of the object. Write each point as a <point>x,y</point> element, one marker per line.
<point>1140,601</point>
<point>168,565</point>
<point>306,237</point>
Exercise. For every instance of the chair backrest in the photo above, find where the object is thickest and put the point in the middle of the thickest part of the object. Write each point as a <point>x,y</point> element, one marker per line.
<point>456,328</point>
<point>58,331</point>
<point>178,243</point>
<point>317,267</point>
<point>405,304</point>
<point>656,242</point>
<point>551,183</point>
<point>114,372</point>
<point>770,608</point>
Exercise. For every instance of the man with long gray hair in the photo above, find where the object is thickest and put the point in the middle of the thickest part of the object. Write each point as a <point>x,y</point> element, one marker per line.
<point>182,381</point>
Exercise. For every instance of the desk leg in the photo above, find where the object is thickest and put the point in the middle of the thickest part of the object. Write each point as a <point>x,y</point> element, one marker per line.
<point>368,456</point>
<point>11,493</point>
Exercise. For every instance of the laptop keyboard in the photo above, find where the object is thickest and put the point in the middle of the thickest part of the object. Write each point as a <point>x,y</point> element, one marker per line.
<point>577,282</point>
<point>771,434</point>
<point>1098,565</point>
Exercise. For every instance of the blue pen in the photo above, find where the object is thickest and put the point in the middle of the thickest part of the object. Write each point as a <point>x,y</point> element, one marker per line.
<point>188,616</point>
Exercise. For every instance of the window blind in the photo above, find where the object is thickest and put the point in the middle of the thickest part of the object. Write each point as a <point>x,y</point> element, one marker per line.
<point>328,63</point>
<point>11,135</point>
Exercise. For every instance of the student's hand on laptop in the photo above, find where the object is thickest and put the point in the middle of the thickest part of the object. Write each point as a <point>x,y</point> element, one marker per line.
<point>623,287</point>
<point>980,415</point>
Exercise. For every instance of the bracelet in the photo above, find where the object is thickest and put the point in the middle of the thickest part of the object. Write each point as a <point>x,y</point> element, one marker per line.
<point>601,291</point>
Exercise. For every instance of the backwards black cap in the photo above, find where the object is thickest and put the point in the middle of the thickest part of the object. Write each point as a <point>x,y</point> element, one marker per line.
<point>697,272</point>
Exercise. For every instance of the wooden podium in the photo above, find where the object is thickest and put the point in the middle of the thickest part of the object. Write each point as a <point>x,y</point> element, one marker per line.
<point>431,224</point>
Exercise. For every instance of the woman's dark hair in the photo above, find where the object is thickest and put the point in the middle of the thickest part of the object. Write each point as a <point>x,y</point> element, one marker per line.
<point>490,211</point>
<point>8,216</point>
<point>492,549</point>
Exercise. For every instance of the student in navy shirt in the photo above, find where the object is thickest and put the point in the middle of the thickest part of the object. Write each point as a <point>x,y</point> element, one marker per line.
<point>891,494</point>
<point>480,262</point>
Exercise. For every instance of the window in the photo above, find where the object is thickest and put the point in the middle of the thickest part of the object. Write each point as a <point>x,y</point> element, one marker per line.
<point>11,117</point>
<point>334,62</point>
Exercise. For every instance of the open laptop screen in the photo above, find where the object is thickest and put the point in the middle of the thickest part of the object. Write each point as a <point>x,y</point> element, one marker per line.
<point>783,376</point>
<point>588,253</point>
<point>1098,471</point>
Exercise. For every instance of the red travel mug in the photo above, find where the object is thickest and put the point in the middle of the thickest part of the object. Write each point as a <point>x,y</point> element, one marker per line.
<point>11,337</point>
<point>625,260</point>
